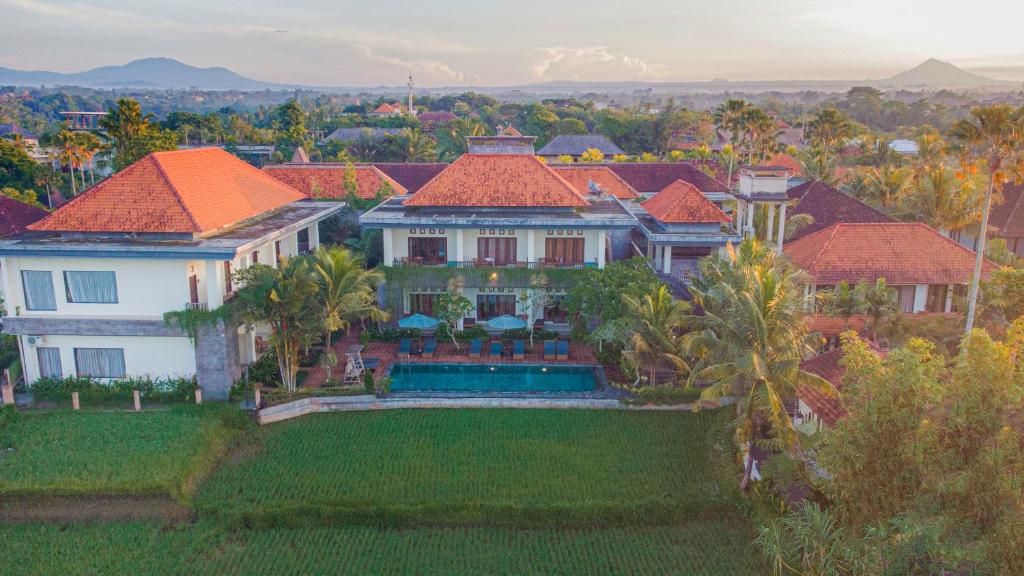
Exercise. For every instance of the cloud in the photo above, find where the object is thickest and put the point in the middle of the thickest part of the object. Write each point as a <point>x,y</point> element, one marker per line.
<point>435,70</point>
<point>591,61</point>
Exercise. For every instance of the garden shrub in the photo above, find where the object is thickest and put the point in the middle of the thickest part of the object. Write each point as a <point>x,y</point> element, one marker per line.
<point>115,391</point>
<point>667,395</point>
<point>265,370</point>
<point>473,332</point>
<point>368,383</point>
<point>524,334</point>
<point>392,333</point>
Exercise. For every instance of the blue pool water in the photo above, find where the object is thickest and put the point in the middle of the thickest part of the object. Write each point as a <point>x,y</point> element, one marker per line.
<point>491,378</point>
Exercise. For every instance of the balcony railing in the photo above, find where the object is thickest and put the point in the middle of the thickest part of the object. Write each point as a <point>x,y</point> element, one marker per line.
<point>540,263</point>
<point>196,306</point>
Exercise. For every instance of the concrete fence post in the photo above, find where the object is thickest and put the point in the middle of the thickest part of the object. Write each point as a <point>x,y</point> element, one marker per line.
<point>138,400</point>
<point>256,396</point>
<point>8,393</point>
<point>199,395</point>
<point>74,401</point>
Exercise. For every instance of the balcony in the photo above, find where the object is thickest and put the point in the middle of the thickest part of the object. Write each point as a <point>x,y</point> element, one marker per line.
<point>539,264</point>
<point>196,306</point>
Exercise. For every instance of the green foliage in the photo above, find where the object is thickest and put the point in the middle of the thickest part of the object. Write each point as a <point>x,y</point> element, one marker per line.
<point>598,294</point>
<point>277,396</point>
<point>523,334</point>
<point>525,468</point>
<point>666,395</point>
<point>17,169</point>
<point>391,333</point>
<point>369,386</point>
<point>1002,296</point>
<point>191,320</point>
<point>27,197</point>
<point>91,391</point>
<point>134,134</point>
<point>475,331</point>
<point>9,352</point>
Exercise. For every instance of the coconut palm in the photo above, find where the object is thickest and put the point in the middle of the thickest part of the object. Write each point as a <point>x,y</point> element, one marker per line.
<point>930,148</point>
<point>992,140</point>
<point>347,290</point>
<point>454,143</point>
<point>879,302</point>
<point>887,184</point>
<point>89,146</point>
<point>727,116</point>
<point>658,322</point>
<point>817,164</point>
<point>942,200</point>
<point>69,155</point>
<point>750,341</point>
<point>760,134</point>
<point>412,146</point>
<point>829,130</point>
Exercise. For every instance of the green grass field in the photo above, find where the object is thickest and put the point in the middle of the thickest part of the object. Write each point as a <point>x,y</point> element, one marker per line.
<point>70,453</point>
<point>708,547</point>
<point>523,468</point>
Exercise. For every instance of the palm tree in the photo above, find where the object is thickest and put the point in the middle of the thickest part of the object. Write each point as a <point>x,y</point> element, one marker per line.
<point>727,116</point>
<point>879,301</point>
<point>829,129</point>
<point>69,154</point>
<point>347,290</point>
<point>844,301</point>
<point>887,184</point>
<point>89,146</point>
<point>930,148</point>
<point>760,134</point>
<point>454,142</point>
<point>750,341</point>
<point>413,146</point>
<point>942,200</point>
<point>818,165</point>
<point>729,158</point>
<point>993,140</point>
<point>656,337</point>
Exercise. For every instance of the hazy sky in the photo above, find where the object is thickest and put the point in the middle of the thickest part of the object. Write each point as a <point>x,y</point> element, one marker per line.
<point>458,42</point>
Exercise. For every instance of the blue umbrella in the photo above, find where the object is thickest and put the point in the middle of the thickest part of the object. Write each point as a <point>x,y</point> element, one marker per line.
<point>418,321</point>
<point>506,323</point>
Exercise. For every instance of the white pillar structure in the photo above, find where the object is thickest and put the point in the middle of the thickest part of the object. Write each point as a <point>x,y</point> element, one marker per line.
<point>601,241</point>
<point>314,236</point>
<point>389,249</point>
<point>749,229</point>
<point>460,247</point>
<point>667,255</point>
<point>782,227</point>
<point>659,250</point>
<point>531,245</point>
<point>771,223</point>
<point>650,251</point>
<point>214,283</point>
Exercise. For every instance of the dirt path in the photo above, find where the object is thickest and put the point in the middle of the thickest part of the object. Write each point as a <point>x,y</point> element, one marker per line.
<point>92,509</point>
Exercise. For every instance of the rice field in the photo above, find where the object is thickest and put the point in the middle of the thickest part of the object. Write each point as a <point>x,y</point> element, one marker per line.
<point>709,547</point>
<point>116,452</point>
<point>514,468</point>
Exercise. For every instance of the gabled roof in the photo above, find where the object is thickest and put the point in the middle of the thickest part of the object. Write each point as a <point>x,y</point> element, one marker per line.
<point>15,216</point>
<point>411,176</point>
<point>829,206</point>
<point>829,409</point>
<point>386,108</point>
<point>652,177</point>
<point>786,161</point>
<point>498,180</point>
<point>900,252</point>
<point>353,134</point>
<point>183,191</point>
<point>1007,217</point>
<point>580,176</point>
<point>300,156</point>
<point>577,144</point>
<point>509,131</point>
<point>327,180</point>
<point>682,203</point>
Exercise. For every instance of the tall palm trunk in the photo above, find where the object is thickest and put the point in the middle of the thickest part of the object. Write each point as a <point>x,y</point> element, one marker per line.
<point>74,184</point>
<point>81,173</point>
<point>979,257</point>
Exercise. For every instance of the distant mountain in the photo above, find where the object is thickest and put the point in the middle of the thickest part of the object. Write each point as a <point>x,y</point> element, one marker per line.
<point>1007,73</point>
<point>154,73</point>
<point>938,74</point>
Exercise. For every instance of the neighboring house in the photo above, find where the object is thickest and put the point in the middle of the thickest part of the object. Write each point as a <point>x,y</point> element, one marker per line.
<point>595,178</point>
<point>904,147</point>
<point>1005,220</point>
<point>28,139</point>
<point>576,144</point>
<point>349,135</point>
<point>829,206</point>
<point>15,216</point>
<point>412,176</point>
<point>493,216</point>
<point>327,180</point>
<point>87,286</point>
<point>924,267</point>
<point>650,178</point>
<point>388,109</point>
<point>815,407</point>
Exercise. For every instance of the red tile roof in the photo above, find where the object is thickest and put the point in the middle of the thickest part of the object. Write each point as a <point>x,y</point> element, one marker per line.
<point>900,252</point>
<point>15,216</point>
<point>682,203</point>
<point>411,176</point>
<point>829,206</point>
<point>829,326</point>
<point>386,108</point>
<point>786,161</point>
<point>498,180</point>
<point>829,409</point>
<point>652,177</point>
<point>581,177</point>
<point>1007,217</point>
<point>327,180</point>
<point>183,191</point>
<point>509,131</point>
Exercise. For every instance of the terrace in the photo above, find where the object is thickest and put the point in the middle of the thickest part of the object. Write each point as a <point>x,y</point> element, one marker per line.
<point>539,263</point>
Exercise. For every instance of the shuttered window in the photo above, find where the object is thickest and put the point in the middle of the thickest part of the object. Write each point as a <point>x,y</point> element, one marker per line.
<point>38,287</point>
<point>564,250</point>
<point>497,251</point>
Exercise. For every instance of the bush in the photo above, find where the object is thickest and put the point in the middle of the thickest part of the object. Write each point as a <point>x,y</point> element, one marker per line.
<point>609,353</point>
<point>368,383</point>
<point>114,391</point>
<point>8,351</point>
<point>667,395</point>
<point>265,370</point>
<point>280,395</point>
<point>392,333</point>
<point>524,334</point>
<point>311,357</point>
<point>473,332</point>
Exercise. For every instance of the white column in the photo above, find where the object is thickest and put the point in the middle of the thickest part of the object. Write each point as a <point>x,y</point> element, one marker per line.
<point>771,223</point>
<point>948,306</point>
<point>658,251</point>
<point>650,251</point>
<point>531,245</point>
<point>750,219</point>
<point>214,283</point>
<point>920,297</point>
<point>601,241</point>
<point>314,236</point>
<point>460,244</point>
<point>389,250</point>
<point>782,227</point>
<point>667,255</point>
<point>250,345</point>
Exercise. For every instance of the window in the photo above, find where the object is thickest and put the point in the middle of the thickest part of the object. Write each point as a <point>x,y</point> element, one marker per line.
<point>38,287</point>
<point>277,250</point>
<point>302,236</point>
<point>564,250</point>
<point>905,298</point>
<point>937,298</point>
<point>428,250</point>
<point>255,256</point>
<point>91,287</point>
<point>49,362</point>
<point>497,251</point>
<point>492,305</point>
<point>422,304</point>
<point>99,362</point>
<point>193,289</point>
<point>228,286</point>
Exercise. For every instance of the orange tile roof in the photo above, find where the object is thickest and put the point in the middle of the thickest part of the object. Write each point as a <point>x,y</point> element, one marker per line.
<point>581,177</point>
<point>386,108</point>
<point>182,191</point>
<point>327,180</point>
<point>900,252</point>
<point>830,326</point>
<point>682,203</point>
<point>829,409</point>
<point>498,180</point>
<point>509,131</point>
<point>786,161</point>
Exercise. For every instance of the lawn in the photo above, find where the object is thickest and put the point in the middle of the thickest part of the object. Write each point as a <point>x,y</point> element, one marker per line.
<point>707,547</point>
<point>513,468</point>
<point>116,452</point>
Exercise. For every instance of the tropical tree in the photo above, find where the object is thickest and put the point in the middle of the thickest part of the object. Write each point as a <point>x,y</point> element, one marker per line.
<point>27,196</point>
<point>728,158</point>
<point>944,201</point>
<point>828,131</point>
<point>134,134</point>
<point>452,307</point>
<point>592,155</point>
<point>879,301</point>
<point>727,116</point>
<point>808,542</point>
<point>347,290</point>
<point>991,141</point>
<point>750,341</point>
<point>818,164</point>
<point>533,300</point>
<point>69,155</point>
<point>454,141</point>
<point>887,184</point>
<point>931,148</point>
<point>657,319</point>
<point>412,146</point>
<point>845,301</point>
<point>89,145</point>
<point>760,134</point>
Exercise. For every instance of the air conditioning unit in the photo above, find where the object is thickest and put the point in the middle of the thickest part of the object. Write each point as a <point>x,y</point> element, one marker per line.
<point>35,340</point>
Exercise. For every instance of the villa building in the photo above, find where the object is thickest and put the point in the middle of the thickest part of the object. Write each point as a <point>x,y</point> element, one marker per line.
<point>87,286</point>
<point>924,267</point>
<point>574,145</point>
<point>829,206</point>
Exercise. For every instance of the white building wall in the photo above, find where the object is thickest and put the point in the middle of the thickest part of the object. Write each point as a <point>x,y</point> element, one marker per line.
<point>396,241</point>
<point>153,356</point>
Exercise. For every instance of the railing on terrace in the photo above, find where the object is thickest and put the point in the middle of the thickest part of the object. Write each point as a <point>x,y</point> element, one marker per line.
<point>196,306</point>
<point>488,263</point>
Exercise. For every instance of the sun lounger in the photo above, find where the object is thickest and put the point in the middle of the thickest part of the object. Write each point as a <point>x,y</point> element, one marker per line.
<point>474,348</point>
<point>495,349</point>
<point>518,350</point>
<point>428,348</point>
<point>549,350</point>
<point>563,349</point>
<point>404,348</point>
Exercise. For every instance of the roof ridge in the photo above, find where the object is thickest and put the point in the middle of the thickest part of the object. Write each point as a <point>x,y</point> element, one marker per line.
<point>176,193</point>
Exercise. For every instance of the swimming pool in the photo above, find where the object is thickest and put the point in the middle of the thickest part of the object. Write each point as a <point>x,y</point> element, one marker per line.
<point>491,378</point>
